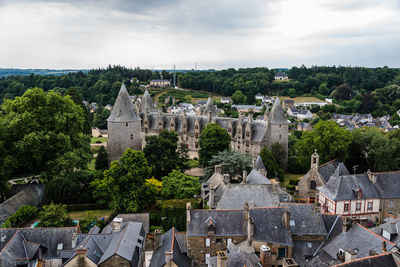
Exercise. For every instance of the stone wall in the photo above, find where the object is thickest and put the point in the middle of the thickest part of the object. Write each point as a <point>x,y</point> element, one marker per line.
<point>123,135</point>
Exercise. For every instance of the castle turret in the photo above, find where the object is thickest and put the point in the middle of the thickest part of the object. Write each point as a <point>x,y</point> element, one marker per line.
<point>209,108</point>
<point>278,126</point>
<point>124,127</point>
<point>146,104</point>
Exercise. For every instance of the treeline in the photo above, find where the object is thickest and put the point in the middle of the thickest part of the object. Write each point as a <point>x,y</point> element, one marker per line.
<point>98,85</point>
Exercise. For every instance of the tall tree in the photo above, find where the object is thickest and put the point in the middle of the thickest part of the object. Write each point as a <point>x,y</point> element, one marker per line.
<point>233,163</point>
<point>328,138</point>
<point>213,139</point>
<point>124,182</point>
<point>178,185</point>
<point>43,132</point>
<point>101,159</point>
<point>238,97</point>
<point>163,155</point>
<point>272,167</point>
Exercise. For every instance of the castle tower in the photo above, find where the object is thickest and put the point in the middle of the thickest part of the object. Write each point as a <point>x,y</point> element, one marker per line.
<point>278,126</point>
<point>124,127</point>
<point>146,105</point>
<point>209,108</point>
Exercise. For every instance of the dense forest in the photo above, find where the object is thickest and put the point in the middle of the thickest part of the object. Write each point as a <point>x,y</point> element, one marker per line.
<point>356,89</point>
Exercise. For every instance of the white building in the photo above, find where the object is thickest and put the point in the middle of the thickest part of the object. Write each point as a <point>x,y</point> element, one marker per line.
<point>281,76</point>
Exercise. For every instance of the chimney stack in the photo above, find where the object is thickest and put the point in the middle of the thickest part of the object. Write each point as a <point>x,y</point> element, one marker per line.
<point>250,230</point>
<point>250,117</point>
<point>384,247</point>
<point>73,239</point>
<point>188,208</point>
<point>157,238</point>
<point>168,258</point>
<point>226,178</point>
<point>222,259</point>
<point>286,219</point>
<point>265,256</point>
<point>217,169</point>
<point>116,224</point>
<point>81,251</point>
<point>211,197</point>
<point>371,176</point>
<point>244,177</point>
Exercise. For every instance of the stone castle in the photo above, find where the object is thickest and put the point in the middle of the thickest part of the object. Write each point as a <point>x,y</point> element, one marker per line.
<point>129,125</point>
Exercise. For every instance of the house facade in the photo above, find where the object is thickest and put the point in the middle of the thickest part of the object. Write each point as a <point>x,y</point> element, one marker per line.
<point>281,76</point>
<point>160,83</point>
<point>128,126</point>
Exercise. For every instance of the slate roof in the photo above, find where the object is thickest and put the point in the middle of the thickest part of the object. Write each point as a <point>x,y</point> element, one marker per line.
<point>259,165</point>
<point>391,226</point>
<point>146,105</point>
<point>123,243</point>
<point>304,219</point>
<point>169,242</point>
<point>269,226</point>
<point>22,243</point>
<point>143,218</point>
<point>304,249</point>
<point>235,195</point>
<point>357,238</point>
<point>388,184</point>
<point>385,259</point>
<point>255,177</point>
<point>238,258</point>
<point>277,116</point>
<point>346,187</point>
<point>236,226</point>
<point>123,110</point>
<point>281,74</point>
<point>209,107</point>
<point>327,169</point>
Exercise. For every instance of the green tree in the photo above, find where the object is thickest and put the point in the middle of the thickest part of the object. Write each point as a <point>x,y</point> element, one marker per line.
<point>279,154</point>
<point>373,149</point>
<point>163,155</point>
<point>21,217</point>
<point>233,163</point>
<point>323,89</point>
<point>342,92</point>
<point>54,216</point>
<point>43,132</point>
<point>101,159</point>
<point>90,220</point>
<point>124,182</point>
<point>272,167</point>
<point>328,138</point>
<point>292,92</point>
<point>238,97</point>
<point>100,118</point>
<point>395,119</point>
<point>213,139</point>
<point>178,185</point>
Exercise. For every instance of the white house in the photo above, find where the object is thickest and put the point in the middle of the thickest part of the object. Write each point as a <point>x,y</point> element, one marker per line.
<point>304,114</point>
<point>281,76</point>
<point>309,104</point>
<point>225,100</point>
<point>259,96</point>
<point>292,111</point>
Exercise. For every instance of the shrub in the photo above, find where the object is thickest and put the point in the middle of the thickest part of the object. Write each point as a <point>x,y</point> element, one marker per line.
<point>290,187</point>
<point>21,217</point>
<point>294,182</point>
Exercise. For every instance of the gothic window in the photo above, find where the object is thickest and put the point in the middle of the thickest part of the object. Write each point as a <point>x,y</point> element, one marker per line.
<point>247,143</point>
<point>313,184</point>
<point>247,134</point>
<point>280,125</point>
<point>126,124</point>
<point>196,145</point>
<point>196,135</point>
<point>280,136</point>
<point>131,136</point>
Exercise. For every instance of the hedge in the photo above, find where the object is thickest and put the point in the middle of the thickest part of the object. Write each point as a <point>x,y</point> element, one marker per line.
<point>173,213</point>
<point>80,207</point>
<point>21,217</point>
<point>291,188</point>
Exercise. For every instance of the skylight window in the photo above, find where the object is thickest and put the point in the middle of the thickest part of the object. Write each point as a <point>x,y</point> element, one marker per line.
<point>309,244</point>
<point>292,223</point>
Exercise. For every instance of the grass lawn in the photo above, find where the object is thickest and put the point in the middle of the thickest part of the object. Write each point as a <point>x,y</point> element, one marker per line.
<point>193,163</point>
<point>94,140</point>
<point>301,99</point>
<point>77,215</point>
<point>290,176</point>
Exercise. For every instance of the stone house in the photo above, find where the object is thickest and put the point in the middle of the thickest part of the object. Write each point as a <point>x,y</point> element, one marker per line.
<point>304,126</point>
<point>287,103</point>
<point>304,114</point>
<point>128,126</point>
<point>318,175</point>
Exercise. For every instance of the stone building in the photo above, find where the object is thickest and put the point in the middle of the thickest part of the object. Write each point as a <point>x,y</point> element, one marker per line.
<point>128,126</point>
<point>318,175</point>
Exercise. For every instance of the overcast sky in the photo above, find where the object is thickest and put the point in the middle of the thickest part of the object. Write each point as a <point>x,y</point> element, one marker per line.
<point>212,33</point>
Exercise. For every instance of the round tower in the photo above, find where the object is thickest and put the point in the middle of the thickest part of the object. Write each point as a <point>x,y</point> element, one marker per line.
<point>124,127</point>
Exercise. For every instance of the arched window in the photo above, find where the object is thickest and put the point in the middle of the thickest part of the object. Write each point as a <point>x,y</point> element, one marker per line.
<point>313,184</point>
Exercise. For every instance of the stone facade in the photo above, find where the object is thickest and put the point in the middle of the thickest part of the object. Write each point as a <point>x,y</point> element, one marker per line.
<point>308,184</point>
<point>116,261</point>
<point>248,135</point>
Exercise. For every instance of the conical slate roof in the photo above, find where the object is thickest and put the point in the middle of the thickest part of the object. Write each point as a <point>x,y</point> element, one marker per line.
<point>277,114</point>
<point>259,165</point>
<point>209,106</point>
<point>123,110</point>
<point>341,170</point>
<point>147,104</point>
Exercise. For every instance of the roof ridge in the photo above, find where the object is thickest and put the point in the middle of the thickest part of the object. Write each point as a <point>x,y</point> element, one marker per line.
<point>173,239</point>
<point>255,208</point>
<point>9,241</point>
<point>386,172</point>
<point>119,242</point>
<point>385,240</point>
<point>31,242</point>
<point>328,162</point>
<point>360,259</point>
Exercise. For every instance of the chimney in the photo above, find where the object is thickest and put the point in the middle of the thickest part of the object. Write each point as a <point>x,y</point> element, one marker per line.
<point>81,251</point>
<point>73,239</point>
<point>211,197</point>
<point>250,230</point>
<point>184,113</point>
<point>384,247</point>
<point>217,169</point>
<point>157,238</point>
<point>246,210</point>
<point>286,219</point>
<point>265,256</point>
<point>168,258</point>
<point>346,224</point>
<point>221,259</point>
<point>350,255</point>
<point>116,224</point>
<point>250,117</point>
<point>244,176</point>
<point>226,178</point>
<point>371,176</point>
<point>188,208</point>
<point>159,112</point>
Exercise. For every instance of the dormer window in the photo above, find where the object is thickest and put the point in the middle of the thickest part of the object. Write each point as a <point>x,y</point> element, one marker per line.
<point>210,226</point>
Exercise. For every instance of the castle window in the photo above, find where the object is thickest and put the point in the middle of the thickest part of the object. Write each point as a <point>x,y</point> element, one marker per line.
<point>280,125</point>
<point>313,184</point>
<point>247,143</point>
<point>196,145</point>
<point>131,136</point>
<point>247,134</point>
<point>126,124</point>
<point>280,136</point>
